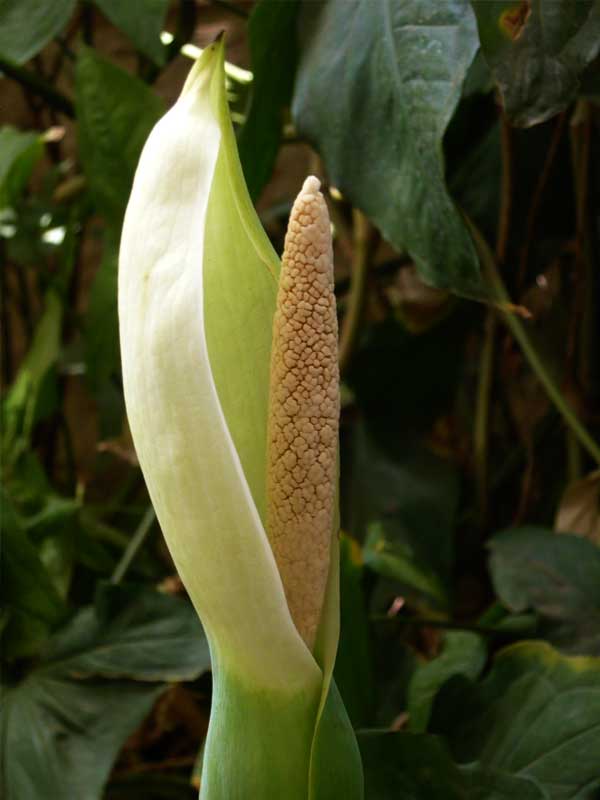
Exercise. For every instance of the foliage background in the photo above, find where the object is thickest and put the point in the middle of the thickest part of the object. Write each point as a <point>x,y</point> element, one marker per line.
<point>460,146</point>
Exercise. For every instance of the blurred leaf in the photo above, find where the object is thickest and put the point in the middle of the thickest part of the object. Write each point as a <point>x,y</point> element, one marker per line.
<point>490,784</point>
<point>353,668</point>
<point>558,576</point>
<point>418,767</point>
<point>579,508</point>
<point>19,405</point>
<point>63,725</point>
<point>116,112</point>
<point>376,88</point>
<point>464,653</point>
<point>33,605</point>
<point>537,51</point>
<point>101,322</point>
<point>406,502</point>
<point>142,21</point>
<point>272,40</point>
<point>536,715</point>
<point>19,153</point>
<point>26,26</point>
<point>408,766</point>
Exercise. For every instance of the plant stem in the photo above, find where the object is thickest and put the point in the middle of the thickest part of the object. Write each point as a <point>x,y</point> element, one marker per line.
<point>486,366</point>
<point>538,195</point>
<point>138,538</point>
<point>38,86</point>
<point>519,332</point>
<point>482,413</point>
<point>360,261</point>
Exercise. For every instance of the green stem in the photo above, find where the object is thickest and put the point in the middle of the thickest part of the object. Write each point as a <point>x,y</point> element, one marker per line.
<point>137,540</point>
<point>482,414</point>
<point>517,329</point>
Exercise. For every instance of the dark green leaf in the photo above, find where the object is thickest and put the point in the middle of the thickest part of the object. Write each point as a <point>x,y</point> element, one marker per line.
<point>537,50</point>
<point>408,766</point>
<point>29,597</point>
<point>376,87</point>
<point>407,504</point>
<point>272,39</point>
<point>27,25</point>
<point>536,715</point>
<point>464,653</point>
<point>142,21</point>
<point>116,112</point>
<point>353,669</point>
<point>490,784</point>
<point>558,575</point>
<point>19,153</point>
<point>19,405</point>
<point>63,725</point>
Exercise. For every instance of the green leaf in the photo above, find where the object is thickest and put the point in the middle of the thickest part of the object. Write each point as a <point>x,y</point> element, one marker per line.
<point>464,653</point>
<point>19,405</point>
<point>272,40</point>
<point>536,715</point>
<point>26,26</point>
<point>116,112</point>
<point>406,500</point>
<point>537,52</point>
<point>491,784</point>
<point>142,21</point>
<point>29,597</point>
<point>558,575</point>
<point>19,153</point>
<point>376,87</point>
<point>63,725</point>
<point>418,767</point>
<point>408,766</point>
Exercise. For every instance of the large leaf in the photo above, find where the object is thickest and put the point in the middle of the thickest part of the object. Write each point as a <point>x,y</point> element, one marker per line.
<point>27,25</point>
<point>537,50</point>
<point>116,112</point>
<point>557,575</point>
<point>419,767</point>
<point>408,766</point>
<point>142,21</point>
<point>19,152</point>
<point>375,90</point>
<point>63,725</point>
<point>271,34</point>
<point>464,653</point>
<point>536,715</point>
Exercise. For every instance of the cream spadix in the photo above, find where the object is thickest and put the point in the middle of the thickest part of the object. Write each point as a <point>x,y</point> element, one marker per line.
<point>197,290</point>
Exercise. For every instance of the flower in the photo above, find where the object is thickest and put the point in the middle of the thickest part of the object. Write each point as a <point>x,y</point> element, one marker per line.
<point>198,282</point>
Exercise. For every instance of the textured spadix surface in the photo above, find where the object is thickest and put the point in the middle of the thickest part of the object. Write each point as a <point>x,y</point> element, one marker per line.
<point>197,288</point>
<point>304,411</point>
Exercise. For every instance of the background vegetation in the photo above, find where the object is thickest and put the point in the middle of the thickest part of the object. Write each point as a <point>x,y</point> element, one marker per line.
<point>460,145</point>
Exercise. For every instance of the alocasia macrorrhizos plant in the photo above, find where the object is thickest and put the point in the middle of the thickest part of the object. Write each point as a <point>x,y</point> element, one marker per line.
<point>243,484</point>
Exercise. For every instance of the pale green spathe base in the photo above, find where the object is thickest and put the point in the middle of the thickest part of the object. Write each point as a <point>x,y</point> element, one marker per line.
<point>259,741</point>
